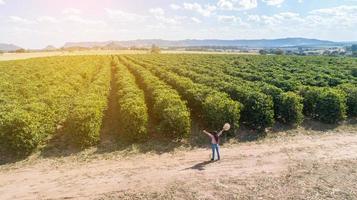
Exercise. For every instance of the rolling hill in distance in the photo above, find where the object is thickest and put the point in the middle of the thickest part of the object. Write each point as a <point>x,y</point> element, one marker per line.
<point>8,47</point>
<point>259,43</point>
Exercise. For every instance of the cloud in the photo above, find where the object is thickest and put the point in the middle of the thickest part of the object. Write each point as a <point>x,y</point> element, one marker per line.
<point>196,20</point>
<point>71,11</point>
<point>78,19</point>
<point>122,16</point>
<point>2,2</point>
<point>233,20</point>
<point>175,7</point>
<point>254,18</point>
<point>159,15</point>
<point>204,10</point>
<point>157,11</point>
<point>21,20</point>
<point>336,17</point>
<point>47,19</point>
<point>326,22</point>
<point>286,18</point>
<point>340,10</point>
<point>228,19</point>
<point>274,2</point>
<point>237,4</point>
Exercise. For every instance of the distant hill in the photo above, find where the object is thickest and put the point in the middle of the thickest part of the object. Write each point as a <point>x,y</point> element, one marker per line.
<point>50,48</point>
<point>8,47</point>
<point>284,42</point>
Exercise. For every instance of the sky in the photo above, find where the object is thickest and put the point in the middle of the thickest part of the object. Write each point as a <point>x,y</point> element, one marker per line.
<point>38,23</point>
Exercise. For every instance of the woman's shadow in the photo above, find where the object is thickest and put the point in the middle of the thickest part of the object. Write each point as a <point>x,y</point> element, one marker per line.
<point>201,166</point>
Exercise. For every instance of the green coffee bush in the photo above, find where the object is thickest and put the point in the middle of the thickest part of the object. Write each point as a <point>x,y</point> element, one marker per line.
<point>325,104</point>
<point>133,113</point>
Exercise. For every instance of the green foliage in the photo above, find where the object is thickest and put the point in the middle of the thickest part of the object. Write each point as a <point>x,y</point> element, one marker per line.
<point>354,72</point>
<point>85,118</point>
<point>133,113</point>
<point>21,130</point>
<point>36,96</point>
<point>219,109</point>
<point>331,107</point>
<point>351,95</point>
<point>84,122</point>
<point>215,108</point>
<point>257,109</point>
<point>310,99</point>
<point>290,108</point>
<point>325,104</point>
<point>167,109</point>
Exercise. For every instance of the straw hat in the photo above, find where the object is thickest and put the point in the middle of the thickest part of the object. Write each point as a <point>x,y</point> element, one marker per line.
<point>226,126</point>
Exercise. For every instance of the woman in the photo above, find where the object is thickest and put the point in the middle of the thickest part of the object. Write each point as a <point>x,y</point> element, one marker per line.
<point>214,142</point>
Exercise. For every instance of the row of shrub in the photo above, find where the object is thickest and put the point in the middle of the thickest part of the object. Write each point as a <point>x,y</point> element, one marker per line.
<point>133,112</point>
<point>166,108</point>
<point>291,72</point>
<point>330,107</point>
<point>214,107</point>
<point>257,110</point>
<point>351,98</point>
<point>288,106</point>
<point>36,96</point>
<point>325,104</point>
<point>84,121</point>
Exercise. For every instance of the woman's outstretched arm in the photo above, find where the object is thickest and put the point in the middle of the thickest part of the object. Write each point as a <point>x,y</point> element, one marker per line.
<point>207,133</point>
<point>220,133</point>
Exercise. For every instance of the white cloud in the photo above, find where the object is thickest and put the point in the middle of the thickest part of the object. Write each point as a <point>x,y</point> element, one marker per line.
<point>47,19</point>
<point>337,17</point>
<point>254,18</point>
<point>231,19</point>
<point>340,10</point>
<point>159,15</point>
<point>78,19</point>
<point>71,11</point>
<point>2,2</point>
<point>157,11</point>
<point>300,1</point>
<point>204,10</point>
<point>21,20</point>
<point>237,4</point>
<point>122,16</point>
<point>274,2</point>
<point>227,19</point>
<point>196,20</point>
<point>286,18</point>
<point>175,6</point>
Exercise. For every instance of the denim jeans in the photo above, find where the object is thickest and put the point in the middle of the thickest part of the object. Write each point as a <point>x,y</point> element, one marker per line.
<point>215,147</point>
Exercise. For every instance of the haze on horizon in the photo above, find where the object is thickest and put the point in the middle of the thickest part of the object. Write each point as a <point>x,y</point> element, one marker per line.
<point>38,23</point>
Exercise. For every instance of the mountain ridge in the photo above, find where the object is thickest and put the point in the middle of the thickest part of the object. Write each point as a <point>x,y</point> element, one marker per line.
<point>257,43</point>
<point>8,47</point>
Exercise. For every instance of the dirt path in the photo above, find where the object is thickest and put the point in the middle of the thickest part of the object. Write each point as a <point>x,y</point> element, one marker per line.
<point>110,124</point>
<point>317,167</point>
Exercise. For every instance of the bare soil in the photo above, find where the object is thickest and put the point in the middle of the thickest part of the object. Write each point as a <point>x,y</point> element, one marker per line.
<point>290,164</point>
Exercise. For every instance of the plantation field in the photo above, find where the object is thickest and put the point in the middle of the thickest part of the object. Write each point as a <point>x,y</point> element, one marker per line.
<point>21,56</point>
<point>88,99</point>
